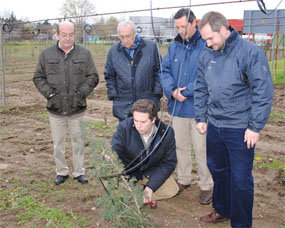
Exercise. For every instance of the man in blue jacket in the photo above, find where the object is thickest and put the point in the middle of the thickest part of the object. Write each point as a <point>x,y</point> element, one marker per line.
<point>131,71</point>
<point>233,98</point>
<point>179,68</point>
<point>146,140</point>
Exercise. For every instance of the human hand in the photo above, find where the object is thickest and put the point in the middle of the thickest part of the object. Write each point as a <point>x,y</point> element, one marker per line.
<point>147,197</point>
<point>178,95</point>
<point>201,127</point>
<point>251,138</point>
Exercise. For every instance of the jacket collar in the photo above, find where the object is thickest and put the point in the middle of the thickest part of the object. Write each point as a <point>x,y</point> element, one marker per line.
<point>229,43</point>
<point>70,51</point>
<point>142,43</point>
<point>192,40</point>
<point>232,39</point>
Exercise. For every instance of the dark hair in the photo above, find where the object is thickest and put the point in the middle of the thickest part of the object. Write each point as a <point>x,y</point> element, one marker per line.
<point>216,20</point>
<point>145,106</point>
<point>185,12</point>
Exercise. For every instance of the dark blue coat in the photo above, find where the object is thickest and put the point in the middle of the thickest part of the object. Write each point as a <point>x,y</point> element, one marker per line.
<point>189,53</point>
<point>128,144</point>
<point>129,80</point>
<point>233,87</point>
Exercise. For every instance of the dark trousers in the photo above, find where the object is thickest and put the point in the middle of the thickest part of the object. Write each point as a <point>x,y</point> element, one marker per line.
<point>230,163</point>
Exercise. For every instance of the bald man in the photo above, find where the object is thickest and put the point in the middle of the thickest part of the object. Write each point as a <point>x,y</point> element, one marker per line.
<point>65,76</point>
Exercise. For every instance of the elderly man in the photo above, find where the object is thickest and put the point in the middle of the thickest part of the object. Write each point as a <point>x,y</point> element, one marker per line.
<point>131,71</point>
<point>144,137</point>
<point>179,68</point>
<point>65,76</point>
<point>233,97</point>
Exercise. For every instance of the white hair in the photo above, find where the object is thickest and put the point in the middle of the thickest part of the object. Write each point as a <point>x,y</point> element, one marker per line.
<point>125,24</point>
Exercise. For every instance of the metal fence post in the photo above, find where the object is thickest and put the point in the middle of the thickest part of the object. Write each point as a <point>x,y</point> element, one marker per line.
<point>2,65</point>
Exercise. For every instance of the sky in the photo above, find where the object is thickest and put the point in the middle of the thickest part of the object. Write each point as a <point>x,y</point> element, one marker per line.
<point>33,10</point>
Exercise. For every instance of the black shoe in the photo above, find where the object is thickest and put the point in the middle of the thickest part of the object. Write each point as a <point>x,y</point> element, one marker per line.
<point>81,179</point>
<point>60,179</point>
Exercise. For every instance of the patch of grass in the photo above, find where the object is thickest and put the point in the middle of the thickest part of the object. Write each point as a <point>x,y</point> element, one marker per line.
<point>43,114</point>
<point>30,211</point>
<point>270,163</point>
<point>277,116</point>
<point>280,72</point>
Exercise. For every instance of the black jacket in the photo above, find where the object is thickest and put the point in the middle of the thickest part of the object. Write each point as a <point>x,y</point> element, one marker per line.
<point>129,80</point>
<point>128,144</point>
<point>66,80</point>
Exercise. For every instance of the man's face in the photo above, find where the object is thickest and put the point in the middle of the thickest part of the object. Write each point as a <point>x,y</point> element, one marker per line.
<point>66,36</point>
<point>127,36</point>
<point>215,40</point>
<point>143,123</point>
<point>181,25</point>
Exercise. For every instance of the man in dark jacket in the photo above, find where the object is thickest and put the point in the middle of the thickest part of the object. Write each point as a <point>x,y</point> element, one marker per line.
<point>179,68</point>
<point>233,98</point>
<point>131,71</point>
<point>65,76</point>
<point>144,139</point>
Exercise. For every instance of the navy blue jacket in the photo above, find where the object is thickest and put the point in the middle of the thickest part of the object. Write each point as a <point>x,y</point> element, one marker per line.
<point>129,80</point>
<point>191,51</point>
<point>128,144</point>
<point>234,87</point>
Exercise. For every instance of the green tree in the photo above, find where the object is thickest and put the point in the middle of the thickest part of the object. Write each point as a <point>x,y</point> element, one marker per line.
<point>77,9</point>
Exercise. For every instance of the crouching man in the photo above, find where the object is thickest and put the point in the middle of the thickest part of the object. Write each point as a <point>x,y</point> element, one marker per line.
<point>147,148</point>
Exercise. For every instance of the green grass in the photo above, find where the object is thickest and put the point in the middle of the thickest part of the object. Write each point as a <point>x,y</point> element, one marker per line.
<point>276,116</point>
<point>270,162</point>
<point>31,211</point>
<point>280,72</point>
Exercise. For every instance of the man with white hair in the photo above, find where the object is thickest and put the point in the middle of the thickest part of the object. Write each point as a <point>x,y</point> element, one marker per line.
<point>131,71</point>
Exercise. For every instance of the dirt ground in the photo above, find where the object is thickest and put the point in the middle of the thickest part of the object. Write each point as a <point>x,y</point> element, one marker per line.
<point>26,156</point>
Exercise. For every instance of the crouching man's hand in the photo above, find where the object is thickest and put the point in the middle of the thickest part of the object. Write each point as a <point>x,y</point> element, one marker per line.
<point>147,198</point>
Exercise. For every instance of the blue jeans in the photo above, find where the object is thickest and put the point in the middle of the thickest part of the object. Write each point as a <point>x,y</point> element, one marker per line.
<point>230,163</point>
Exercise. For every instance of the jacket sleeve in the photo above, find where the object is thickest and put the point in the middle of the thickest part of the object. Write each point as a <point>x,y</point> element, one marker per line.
<point>92,78</point>
<point>166,77</point>
<point>201,94</point>
<point>110,77</point>
<point>118,143</point>
<point>260,81</point>
<point>167,164</point>
<point>40,78</point>
<point>156,70</point>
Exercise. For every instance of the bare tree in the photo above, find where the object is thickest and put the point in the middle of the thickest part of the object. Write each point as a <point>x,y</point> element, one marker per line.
<point>77,9</point>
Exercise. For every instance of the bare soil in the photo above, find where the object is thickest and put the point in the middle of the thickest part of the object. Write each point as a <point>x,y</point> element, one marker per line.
<point>27,150</point>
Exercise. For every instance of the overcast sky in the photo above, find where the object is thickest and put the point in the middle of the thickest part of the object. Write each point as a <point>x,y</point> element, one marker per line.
<point>48,9</point>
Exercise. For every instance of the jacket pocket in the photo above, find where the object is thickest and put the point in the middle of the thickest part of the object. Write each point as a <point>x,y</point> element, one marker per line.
<point>78,103</point>
<point>52,66</point>
<point>121,107</point>
<point>79,67</point>
<point>54,104</point>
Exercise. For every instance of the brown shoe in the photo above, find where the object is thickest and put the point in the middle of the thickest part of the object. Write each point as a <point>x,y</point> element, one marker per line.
<point>213,218</point>
<point>205,197</point>
<point>182,187</point>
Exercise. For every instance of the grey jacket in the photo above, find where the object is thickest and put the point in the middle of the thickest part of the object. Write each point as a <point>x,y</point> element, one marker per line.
<point>65,80</point>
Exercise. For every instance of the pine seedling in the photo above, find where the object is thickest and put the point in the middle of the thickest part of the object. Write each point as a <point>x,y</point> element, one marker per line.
<point>121,203</point>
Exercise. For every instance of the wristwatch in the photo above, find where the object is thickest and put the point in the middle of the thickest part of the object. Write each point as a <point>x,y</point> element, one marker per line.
<point>51,95</point>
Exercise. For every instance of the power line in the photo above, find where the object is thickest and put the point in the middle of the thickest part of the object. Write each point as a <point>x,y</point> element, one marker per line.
<point>133,11</point>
